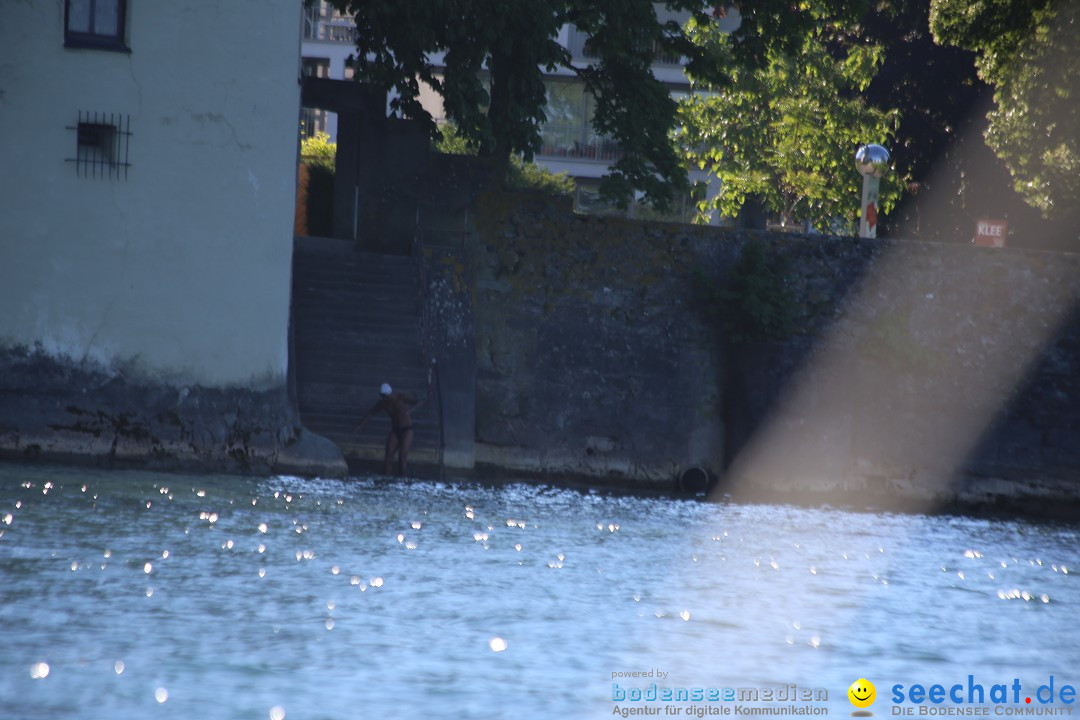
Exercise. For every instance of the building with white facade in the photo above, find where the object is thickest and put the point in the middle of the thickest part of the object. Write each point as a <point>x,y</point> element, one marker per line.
<point>146,214</point>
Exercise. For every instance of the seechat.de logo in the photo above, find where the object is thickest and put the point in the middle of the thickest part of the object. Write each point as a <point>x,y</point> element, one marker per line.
<point>862,694</point>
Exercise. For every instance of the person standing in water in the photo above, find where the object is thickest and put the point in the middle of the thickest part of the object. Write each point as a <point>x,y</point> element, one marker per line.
<point>397,405</point>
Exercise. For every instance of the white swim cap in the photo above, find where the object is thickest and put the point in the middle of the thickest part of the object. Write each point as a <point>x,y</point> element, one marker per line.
<point>385,389</point>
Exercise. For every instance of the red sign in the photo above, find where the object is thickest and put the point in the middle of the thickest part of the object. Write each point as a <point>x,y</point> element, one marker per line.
<point>991,233</point>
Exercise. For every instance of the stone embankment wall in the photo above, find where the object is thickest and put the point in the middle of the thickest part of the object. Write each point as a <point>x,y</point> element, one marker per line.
<point>590,357</point>
<point>908,374</point>
<point>54,410</point>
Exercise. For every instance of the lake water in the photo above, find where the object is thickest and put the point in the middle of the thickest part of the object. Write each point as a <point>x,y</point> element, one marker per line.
<point>139,595</point>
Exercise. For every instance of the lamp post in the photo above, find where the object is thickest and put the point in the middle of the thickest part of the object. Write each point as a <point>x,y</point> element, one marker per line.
<point>872,162</point>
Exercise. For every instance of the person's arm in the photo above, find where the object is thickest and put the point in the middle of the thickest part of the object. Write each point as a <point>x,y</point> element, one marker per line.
<point>370,414</point>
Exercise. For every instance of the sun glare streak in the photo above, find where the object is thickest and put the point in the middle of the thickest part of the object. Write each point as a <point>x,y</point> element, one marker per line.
<point>900,390</point>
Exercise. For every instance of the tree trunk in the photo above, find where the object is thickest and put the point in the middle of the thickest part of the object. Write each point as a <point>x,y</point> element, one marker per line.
<point>499,118</point>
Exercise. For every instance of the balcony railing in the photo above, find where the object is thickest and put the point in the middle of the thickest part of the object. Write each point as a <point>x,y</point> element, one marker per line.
<point>574,141</point>
<point>323,24</point>
<point>581,51</point>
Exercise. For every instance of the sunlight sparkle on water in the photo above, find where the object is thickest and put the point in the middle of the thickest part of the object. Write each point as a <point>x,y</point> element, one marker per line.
<point>118,667</point>
<point>277,713</point>
<point>39,671</point>
<point>497,644</point>
<point>161,695</point>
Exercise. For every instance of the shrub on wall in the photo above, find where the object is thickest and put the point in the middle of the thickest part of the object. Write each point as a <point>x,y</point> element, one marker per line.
<point>520,175</point>
<point>753,302</point>
<point>318,151</point>
<point>523,175</point>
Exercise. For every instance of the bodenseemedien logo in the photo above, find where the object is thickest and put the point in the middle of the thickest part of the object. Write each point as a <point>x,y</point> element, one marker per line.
<point>862,694</point>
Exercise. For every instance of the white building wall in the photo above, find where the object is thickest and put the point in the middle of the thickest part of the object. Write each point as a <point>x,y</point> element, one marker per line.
<point>180,271</point>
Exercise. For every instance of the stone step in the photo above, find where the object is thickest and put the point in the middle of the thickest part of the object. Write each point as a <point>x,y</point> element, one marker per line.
<point>366,378</point>
<point>364,336</point>
<point>331,320</point>
<point>345,272</point>
<point>346,277</point>
<point>374,303</point>
<point>406,355</point>
<point>342,430</point>
<point>329,394</point>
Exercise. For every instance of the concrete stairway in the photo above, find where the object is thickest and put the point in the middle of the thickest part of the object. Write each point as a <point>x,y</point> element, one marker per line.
<point>356,324</point>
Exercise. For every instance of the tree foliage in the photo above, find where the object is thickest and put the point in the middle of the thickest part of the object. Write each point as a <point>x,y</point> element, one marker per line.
<point>1029,51</point>
<point>785,133</point>
<point>495,52</point>
<point>934,86</point>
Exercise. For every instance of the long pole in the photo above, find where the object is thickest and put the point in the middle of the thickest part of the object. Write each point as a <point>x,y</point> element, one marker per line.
<point>442,426</point>
<point>868,214</point>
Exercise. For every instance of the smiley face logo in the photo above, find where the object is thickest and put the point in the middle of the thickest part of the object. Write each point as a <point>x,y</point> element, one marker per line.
<point>862,693</point>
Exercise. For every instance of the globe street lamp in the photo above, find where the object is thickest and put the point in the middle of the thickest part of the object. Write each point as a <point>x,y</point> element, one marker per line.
<point>873,162</point>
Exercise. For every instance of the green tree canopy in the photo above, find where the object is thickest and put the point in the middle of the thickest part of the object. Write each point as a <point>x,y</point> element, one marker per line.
<point>786,133</point>
<point>495,53</point>
<point>1029,51</point>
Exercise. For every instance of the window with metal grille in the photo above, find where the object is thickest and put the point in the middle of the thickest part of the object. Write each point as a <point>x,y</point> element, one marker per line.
<point>101,145</point>
<point>95,24</point>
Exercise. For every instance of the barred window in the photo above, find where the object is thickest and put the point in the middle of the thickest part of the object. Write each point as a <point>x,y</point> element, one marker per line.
<point>101,145</point>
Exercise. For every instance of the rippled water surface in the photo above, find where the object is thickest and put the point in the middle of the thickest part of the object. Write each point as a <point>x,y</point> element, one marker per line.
<point>137,595</point>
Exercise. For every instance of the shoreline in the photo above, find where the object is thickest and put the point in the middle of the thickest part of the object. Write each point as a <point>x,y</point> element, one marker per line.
<point>1062,508</point>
